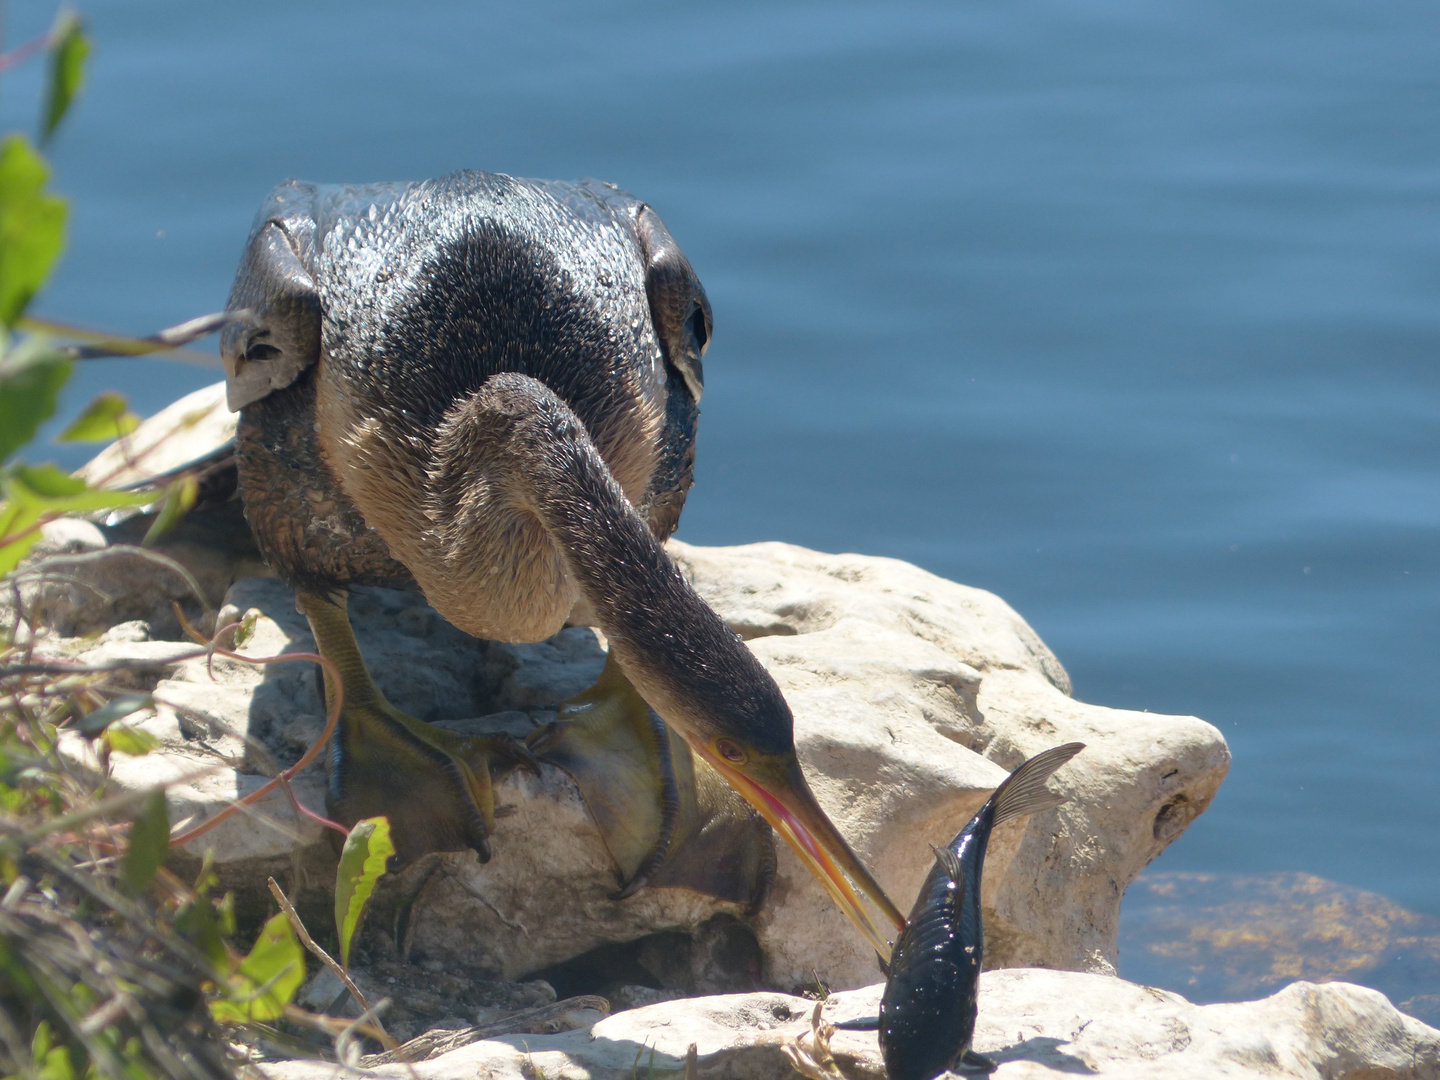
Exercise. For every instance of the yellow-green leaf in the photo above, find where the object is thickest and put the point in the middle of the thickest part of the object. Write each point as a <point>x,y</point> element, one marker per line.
<point>14,542</point>
<point>104,420</point>
<point>197,923</point>
<point>49,489</point>
<point>68,49</point>
<point>53,1061</point>
<point>35,494</point>
<point>267,980</point>
<point>32,226</point>
<point>149,844</point>
<point>56,1065</point>
<point>40,1042</point>
<point>127,740</point>
<point>179,498</point>
<point>363,860</point>
<point>246,630</point>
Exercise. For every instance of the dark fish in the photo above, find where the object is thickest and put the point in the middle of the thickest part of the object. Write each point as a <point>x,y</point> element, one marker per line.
<point>927,1015</point>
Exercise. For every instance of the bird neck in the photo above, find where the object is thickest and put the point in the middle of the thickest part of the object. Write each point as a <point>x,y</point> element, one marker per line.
<point>676,651</point>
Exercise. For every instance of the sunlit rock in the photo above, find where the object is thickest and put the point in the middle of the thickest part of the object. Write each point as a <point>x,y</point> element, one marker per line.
<point>912,697</point>
<point>1032,1022</point>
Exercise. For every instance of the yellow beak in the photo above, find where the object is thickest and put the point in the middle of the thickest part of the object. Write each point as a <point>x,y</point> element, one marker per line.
<point>785,801</point>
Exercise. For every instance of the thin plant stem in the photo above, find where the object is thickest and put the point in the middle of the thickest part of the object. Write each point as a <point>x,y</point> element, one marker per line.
<point>325,958</point>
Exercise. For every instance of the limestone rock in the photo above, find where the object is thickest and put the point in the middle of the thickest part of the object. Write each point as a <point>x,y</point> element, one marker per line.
<point>83,577</point>
<point>186,429</point>
<point>67,536</point>
<point>912,697</point>
<point>80,578</point>
<point>1033,1022</point>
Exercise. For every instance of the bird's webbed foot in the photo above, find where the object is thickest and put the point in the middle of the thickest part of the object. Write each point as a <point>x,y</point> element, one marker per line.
<point>432,784</point>
<point>667,818</point>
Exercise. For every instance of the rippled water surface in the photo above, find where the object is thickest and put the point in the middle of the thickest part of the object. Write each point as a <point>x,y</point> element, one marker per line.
<point>1126,311</point>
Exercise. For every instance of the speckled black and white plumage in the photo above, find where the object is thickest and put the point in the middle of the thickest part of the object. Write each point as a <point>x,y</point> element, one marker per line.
<point>402,299</point>
<point>489,387</point>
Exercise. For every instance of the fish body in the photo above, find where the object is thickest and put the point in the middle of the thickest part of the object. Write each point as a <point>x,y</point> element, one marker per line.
<point>928,1011</point>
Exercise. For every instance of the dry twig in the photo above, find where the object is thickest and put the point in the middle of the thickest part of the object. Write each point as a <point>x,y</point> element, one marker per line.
<point>441,1041</point>
<point>815,1061</point>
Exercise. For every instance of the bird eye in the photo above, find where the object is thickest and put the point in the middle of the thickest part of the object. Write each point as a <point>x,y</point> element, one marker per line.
<point>729,751</point>
<point>697,329</point>
<point>261,351</point>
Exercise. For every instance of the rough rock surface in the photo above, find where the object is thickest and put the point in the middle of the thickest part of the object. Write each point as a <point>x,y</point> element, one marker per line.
<point>912,697</point>
<point>1034,1023</point>
<point>79,579</point>
<point>83,577</point>
<point>184,430</point>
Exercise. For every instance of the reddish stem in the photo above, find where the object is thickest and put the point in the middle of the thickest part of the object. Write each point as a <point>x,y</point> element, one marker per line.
<point>285,776</point>
<point>18,55</point>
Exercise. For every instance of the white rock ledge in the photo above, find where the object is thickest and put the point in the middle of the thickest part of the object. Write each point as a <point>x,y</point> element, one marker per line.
<point>913,696</point>
<point>1034,1022</point>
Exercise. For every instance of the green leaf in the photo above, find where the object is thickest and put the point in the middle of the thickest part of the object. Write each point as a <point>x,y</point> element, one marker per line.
<point>93,723</point>
<point>363,860</point>
<point>38,493</point>
<point>15,542</point>
<point>127,740</point>
<point>57,1065</point>
<point>31,376</point>
<point>68,50</point>
<point>225,914</point>
<point>198,925</point>
<point>49,485</point>
<point>179,498</point>
<point>32,226</point>
<point>104,420</point>
<point>267,980</point>
<point>40,1042</point>
<point>53,1061</point>
<point>50,488</point>
<point>246,630</point>
<point>149,844</point>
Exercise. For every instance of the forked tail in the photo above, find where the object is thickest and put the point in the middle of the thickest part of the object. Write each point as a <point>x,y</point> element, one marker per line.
<point>1023,791</point>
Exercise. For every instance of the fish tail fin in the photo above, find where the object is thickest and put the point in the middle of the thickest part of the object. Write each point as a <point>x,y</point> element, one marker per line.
<point>950,863</point>
<point>1023,791</point>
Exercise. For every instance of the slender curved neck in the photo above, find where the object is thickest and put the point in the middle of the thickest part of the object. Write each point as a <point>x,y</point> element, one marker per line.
<point>681,657</point>
<point>673,645</point>
<point>517,435</point>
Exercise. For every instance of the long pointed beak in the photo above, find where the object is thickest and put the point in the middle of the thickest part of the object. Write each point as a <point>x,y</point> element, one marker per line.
<point>787,804</point>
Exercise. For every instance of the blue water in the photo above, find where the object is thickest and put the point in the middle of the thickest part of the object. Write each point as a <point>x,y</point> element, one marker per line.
<point>1126,311</point>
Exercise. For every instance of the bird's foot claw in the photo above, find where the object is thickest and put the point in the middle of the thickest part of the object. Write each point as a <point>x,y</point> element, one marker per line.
<point>515,752</point>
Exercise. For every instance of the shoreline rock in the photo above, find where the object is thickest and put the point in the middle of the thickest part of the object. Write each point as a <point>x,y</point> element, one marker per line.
<point>912,696</point>
<point>1033,1022</point>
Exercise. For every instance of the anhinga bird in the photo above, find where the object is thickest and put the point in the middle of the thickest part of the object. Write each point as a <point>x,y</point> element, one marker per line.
<point>487,387</point>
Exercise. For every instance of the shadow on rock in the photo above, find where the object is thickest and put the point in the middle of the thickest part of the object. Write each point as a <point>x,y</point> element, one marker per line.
<point>1042,1050</point>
